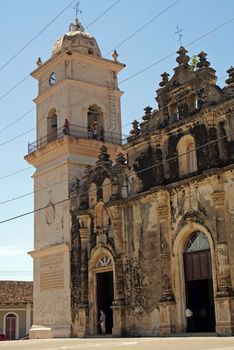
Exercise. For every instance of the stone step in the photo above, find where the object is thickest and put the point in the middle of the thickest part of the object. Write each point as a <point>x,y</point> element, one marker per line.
<point>194,334</point>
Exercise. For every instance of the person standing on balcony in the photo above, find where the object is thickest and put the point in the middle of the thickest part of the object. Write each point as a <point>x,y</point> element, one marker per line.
<point>89,129</point>
<point>94,130</point>
<point>102,134</point>
<point>66,127</point>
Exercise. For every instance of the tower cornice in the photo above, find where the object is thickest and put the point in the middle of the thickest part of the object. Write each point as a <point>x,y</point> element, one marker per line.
<point>113,66</point>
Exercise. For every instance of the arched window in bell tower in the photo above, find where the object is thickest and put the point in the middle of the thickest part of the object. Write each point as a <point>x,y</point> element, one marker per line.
<point>52,125</point>
<point>95,123</point>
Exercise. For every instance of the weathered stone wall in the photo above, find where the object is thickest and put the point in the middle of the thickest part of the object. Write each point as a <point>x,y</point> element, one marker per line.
<point>142,269</point>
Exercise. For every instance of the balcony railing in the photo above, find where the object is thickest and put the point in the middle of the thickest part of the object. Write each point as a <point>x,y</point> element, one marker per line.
<point>79,132</point>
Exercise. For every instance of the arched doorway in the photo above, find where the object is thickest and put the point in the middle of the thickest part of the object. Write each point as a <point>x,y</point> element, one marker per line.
<point>95,125</point>
<point>105,291</point>
<point>52,125</point>
<point>198,283</point>
<point>11,326</point>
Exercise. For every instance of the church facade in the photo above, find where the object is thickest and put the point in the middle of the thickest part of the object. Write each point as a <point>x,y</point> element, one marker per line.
<point>144,230</point>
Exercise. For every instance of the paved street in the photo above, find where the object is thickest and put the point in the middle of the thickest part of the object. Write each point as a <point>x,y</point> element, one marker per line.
<point>194,343</point>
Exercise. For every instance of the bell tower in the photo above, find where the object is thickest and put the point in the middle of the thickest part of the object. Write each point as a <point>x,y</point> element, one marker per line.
<point>77,110</point>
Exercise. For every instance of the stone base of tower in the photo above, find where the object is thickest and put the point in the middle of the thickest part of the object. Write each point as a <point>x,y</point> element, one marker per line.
<point>46,332</point>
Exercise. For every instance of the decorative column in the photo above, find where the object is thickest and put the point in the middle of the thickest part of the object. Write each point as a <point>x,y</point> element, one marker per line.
<point>224,302</point>
<point>118,305</point>
<point>83,309</point>
<point>167,301</point>
<point>75,266</point>
<point>28,318</point>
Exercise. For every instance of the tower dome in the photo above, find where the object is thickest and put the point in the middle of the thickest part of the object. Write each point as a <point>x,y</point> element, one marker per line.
<point>76,39</point>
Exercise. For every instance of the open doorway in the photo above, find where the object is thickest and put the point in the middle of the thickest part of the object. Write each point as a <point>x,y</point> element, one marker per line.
<point>52,126</point>
<point>105,296</point>
<point>199,284</point>
<point>95,125</point>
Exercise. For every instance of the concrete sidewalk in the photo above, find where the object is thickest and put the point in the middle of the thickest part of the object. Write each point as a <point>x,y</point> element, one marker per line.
<point>178,343</point>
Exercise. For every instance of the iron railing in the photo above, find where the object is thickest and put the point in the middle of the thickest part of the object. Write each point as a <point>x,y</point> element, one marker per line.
<point>79,132</point>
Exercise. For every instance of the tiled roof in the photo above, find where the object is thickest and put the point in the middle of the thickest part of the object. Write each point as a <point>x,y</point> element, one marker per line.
<point>16,292</point>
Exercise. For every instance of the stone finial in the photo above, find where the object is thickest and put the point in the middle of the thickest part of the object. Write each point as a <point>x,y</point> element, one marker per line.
<point>76,27</point>
<point>39,62</point>
<point>230,80</point>
<point>165,79</point>
<point>182,58</point>
<point>115,56</point>
<point>148,113</point>
<point>202,60</point>
<point>120,159</point>
<point>104,157</point>
<point>135,128</point>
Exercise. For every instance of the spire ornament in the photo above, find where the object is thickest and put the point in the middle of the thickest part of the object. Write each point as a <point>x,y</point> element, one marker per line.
<point>165,79</point>
<point>135,128</point>
<point>178,32</point>
<point>230,80</point>
<point>148,112</point>
<point>115,56</point>
<point>76,7</point>
<point>202,60</point>
<point>76,26</point>
<point>182,58</point>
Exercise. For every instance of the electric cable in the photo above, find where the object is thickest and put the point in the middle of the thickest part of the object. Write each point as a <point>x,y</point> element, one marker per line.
<point>127,176</point>
<point>157,62</point>
<point>16,137</point>
<point>36,36</point>
<point>28,75</point>
<point>102,14</point>
<point>142,27</point>
<point>125,125</point>
<point>19,118</point>
<point>16,172</point>
<point>173,53</point>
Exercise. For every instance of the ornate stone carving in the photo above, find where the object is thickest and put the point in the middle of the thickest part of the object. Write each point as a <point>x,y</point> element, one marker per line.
<point>75,263</point>
<point>224,271</point>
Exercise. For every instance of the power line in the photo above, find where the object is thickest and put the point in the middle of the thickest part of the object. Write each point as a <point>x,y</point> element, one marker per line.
<point>16,172</point>
<point>27,76</point>
<point>36,36</point>
<point>27,131</point>
<point>173,53</point>
<point>142,27</point>
<point>180,99</point>
<point>157,62</point>
<point>127,176</point>
<point>102,14</point>
<point>216,28</point>
<point>33,192</point>
<point>163,107</point>
<point>14,87</point>
<point>16,120</point>
<point>16,137</point>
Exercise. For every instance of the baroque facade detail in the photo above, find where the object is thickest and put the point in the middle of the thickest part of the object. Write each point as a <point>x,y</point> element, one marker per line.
<point>148,223</point>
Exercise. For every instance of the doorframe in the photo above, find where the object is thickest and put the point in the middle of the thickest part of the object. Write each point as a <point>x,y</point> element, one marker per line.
<point>178,268</point>
<point>98,253</point>
<point>16,323</point>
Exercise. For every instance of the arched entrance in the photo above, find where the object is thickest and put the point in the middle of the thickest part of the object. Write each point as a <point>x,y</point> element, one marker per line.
<point>198,283</point>
<point>102,283</point>
<point>95,123</point>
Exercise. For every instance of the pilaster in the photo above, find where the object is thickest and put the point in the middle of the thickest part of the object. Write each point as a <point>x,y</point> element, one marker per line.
<point>167,301</point>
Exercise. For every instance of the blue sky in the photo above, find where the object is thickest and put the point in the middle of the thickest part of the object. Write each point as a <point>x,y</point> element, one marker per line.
<point>22,20</point>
